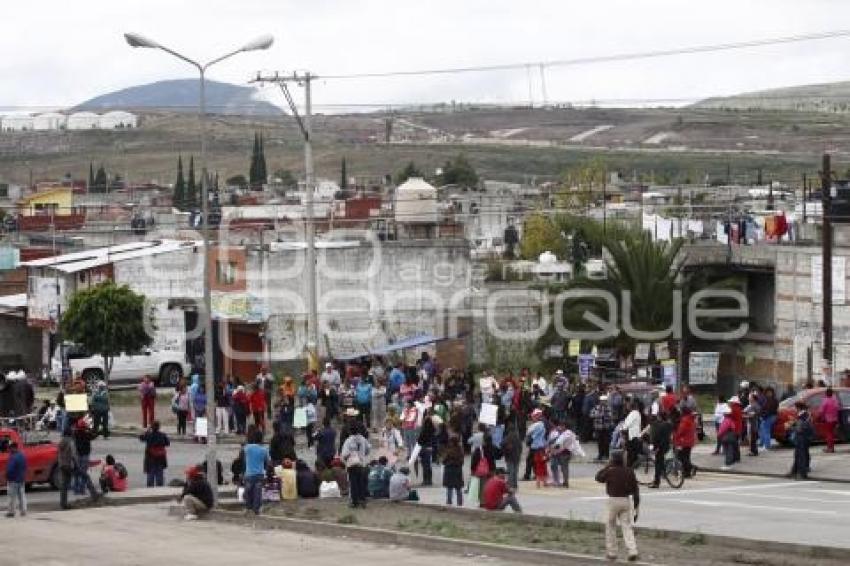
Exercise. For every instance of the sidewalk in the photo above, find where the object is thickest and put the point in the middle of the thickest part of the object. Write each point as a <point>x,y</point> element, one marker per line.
<point>777,462</point>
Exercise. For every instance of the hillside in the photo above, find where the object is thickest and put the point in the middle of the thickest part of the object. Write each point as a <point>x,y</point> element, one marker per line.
<point>828,97</point>
<point>181,95</point>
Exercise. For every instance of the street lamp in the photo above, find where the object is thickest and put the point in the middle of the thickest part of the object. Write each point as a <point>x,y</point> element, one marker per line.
<point>262,42</point>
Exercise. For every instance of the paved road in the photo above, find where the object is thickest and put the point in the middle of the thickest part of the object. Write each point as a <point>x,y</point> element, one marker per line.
<point>66,538</point>
<point>721,504</point>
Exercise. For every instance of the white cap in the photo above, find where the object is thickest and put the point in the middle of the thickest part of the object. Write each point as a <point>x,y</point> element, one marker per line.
<point>329,365</point>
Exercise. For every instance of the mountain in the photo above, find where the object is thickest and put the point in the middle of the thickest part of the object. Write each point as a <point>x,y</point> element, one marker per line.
<point>181,95</point>
<point>827,97</point>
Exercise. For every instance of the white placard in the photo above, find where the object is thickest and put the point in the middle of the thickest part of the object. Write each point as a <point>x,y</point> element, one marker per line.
<point>702,368</point>
<point>201,427</point>
<point>77,403</point>
<point>489,414</point>
<point>838,279</point>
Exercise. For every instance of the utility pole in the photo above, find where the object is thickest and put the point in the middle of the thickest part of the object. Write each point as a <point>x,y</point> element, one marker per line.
<point>304,79</point>
<point>826,267</point>
<point>805,184</point>
<point>543,85</point>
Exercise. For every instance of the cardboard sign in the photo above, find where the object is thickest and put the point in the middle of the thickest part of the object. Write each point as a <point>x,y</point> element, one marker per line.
<point>299,419</point>
<point>574,348</point>
<point>585,365</point>
<point>489,414</point>
<point>77,403</point>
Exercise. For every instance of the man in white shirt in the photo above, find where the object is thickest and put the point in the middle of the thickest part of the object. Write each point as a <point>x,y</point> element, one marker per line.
<point>631,428</point>
<point>488,387</point>
<point>541,383</point>
<point>331,376</point>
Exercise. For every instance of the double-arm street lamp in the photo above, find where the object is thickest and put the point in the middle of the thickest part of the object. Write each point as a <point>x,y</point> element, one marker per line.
<point>262,42</point>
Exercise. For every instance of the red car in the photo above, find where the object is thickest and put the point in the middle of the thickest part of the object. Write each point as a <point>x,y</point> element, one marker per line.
<point>813,398</point>
<point>41,458</point>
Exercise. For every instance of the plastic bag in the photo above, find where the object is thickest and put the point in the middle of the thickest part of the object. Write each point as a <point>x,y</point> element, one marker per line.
<point>328,490</point>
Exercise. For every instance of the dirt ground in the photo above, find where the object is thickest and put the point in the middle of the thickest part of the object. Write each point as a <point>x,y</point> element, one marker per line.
<point>517,530</point>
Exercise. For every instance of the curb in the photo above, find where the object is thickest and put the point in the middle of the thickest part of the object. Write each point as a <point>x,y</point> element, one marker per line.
<point>429,543</point>
<point>173,437</point>
<point>226,497</point>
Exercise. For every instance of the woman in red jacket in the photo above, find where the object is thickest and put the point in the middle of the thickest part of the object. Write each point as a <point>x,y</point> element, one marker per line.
<point>257,402</point>
<point>684,440</point>
<point>738,421</point>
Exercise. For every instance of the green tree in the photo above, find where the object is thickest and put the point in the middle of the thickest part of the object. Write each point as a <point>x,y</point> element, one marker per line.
<point>262,173</point>
<point>91,176</point>
<point>100,181</point>
<point>191,200</point>
<point>459,171</point>
<point>410,170</point>
<point>178,197</point>
<point>107,320</point>
<point>540,234</point>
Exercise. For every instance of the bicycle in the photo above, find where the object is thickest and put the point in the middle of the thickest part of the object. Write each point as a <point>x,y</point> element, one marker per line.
<point>673,471</point>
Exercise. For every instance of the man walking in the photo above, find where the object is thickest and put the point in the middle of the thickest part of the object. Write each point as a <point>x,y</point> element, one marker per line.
<point>99,407</point>
<point>620,483</point>
<point>16,471</point>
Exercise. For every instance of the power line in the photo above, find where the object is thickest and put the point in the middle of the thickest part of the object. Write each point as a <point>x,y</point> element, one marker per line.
<point>600,58</point>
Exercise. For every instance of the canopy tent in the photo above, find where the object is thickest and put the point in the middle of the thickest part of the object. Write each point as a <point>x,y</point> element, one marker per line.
<point>402,344</point>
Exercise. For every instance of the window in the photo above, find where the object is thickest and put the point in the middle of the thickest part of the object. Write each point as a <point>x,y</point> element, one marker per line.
<point>225,272</point>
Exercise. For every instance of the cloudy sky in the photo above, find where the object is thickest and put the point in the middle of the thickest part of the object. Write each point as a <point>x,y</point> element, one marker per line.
<point>58,53</point>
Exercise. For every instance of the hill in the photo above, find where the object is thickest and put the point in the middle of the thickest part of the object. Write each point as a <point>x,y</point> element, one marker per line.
<point>827,97</point>
<point>181,95</point>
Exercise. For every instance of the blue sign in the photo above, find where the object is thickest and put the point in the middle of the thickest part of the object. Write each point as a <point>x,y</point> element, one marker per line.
<point>585,365</point>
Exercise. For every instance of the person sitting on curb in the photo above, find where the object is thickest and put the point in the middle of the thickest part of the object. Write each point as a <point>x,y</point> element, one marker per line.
<point>620,483</point>
<point>497,495</point>
<point>197,496</point>
<point>113,476</point>
<point>400,486</point>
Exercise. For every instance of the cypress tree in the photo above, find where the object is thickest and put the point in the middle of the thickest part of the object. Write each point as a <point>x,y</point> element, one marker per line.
<point>261,163</point>
<point>191,188</point>
<point>343,174</point>
<point>100,180</point>
<point>179,195</point>
<point>91,177</point>
<point>253,171</point>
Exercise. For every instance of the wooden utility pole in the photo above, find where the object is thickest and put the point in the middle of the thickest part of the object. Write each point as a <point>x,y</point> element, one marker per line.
<point>826,269</point>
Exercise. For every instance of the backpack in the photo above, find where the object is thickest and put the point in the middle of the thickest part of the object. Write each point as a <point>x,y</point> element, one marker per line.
<point>121,470</point>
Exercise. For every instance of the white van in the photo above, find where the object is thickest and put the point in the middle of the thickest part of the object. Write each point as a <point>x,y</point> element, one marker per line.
<point>166,367</point>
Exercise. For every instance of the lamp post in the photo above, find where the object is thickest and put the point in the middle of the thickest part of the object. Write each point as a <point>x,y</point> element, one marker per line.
<point>262,42</point>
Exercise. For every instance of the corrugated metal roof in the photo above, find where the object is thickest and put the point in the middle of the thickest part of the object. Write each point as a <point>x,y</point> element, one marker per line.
<point>80,261</point>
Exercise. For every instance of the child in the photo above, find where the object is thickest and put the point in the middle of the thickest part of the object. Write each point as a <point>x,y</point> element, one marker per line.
<point>113,476</point>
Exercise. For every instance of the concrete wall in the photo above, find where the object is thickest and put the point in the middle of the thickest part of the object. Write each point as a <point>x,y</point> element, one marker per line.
<point>17,339</point>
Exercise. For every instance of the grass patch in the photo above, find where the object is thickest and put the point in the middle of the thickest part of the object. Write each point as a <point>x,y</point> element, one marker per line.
<point>693,539</point>
<point>347,519</point>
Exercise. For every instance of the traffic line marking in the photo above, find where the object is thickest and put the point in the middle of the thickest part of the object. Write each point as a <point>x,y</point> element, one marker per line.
<point>773,508</point>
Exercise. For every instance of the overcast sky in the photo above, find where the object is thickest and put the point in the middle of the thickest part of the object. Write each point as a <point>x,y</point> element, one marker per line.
<point>58,53</point>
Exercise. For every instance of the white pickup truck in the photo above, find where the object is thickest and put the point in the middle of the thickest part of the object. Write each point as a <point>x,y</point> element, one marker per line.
<point>166,367</point>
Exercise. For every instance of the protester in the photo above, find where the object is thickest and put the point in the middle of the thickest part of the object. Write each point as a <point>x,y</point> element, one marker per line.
<point>400,489</point>
<point>257,405</point>
<point>684,440</point>
<point>453,471</point>
<point>752,412</point>
<point>734,403</point>
<point>379,479</point>
<point>83,437</point>
<point>829,418</point>
<point>16,473</point>
<point>326,443</point>
<point>602,424</point>
<point>512,453</point>
<point>562,444</point>
<point>728,439</point>
<point>306,480</point>
<point>426,439</point>
<point>147,398</point>
<point>660,433</point>
<point>256,460</point>
<point>535,438</point>
<point>363,400</point>
<point>632,429</point>
<point>354,454</point>
<point>391,441</point>
<point>802,433</point>
<point>769,412</point>
<point>265,383</point>
<point>497,495</point>
<point>113,476</point>
<point>155,460</point>
<point>719,411</point>
<point>409,421</point>
<point>99,409</point>
<point>197,495</point>
<point>222,409</point>
<point>241,408</point>
<point>180,406</point>
<point>68,463</point>
<point>620,484</point>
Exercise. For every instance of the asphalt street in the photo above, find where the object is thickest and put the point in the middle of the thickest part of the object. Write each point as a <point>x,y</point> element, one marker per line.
<point>753,507</point>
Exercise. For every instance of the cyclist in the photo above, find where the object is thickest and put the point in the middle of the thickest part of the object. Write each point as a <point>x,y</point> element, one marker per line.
<point>660,431</point>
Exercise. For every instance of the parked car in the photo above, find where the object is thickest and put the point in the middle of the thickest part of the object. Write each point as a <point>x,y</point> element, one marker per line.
<point>164,366</point>
<point>41,456</point>
<point>813,398</point>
